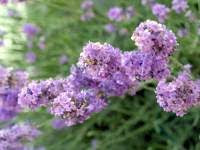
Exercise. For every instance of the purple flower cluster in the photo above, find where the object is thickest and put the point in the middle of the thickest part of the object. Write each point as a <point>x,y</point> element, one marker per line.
<point>156,38</point>
<point>182,32</point>
<point>58,124</point>
<point>37,94</point>
<point>115,14</point>
<point>87,6</point>
<point>145,65</point>
<point>1,43</point>
<point>99,61</point>
<point>119,14</point>
<point>63,59</point>
<point>98,74</point>
<point>110,28</point>
<point>30,30</point>
<point>64,98</point>
<point>179,95</point>
<point>101,72</point>
<point>102,63</point>
<point>179,5</point>
<point>30,57</point>
<point>155,43</point>
<point>160,11</point>
<point>77,107</point>
<point>13,137</point>
<point>11,82</point>
<point>4,2</point>
<point>129,12</point>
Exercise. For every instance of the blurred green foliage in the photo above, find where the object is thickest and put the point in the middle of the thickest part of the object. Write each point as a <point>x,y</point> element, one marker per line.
<point>128,123</point>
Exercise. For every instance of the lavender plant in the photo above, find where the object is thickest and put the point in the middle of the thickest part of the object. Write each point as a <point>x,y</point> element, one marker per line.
<point>74,100</point>
<point>11,83</point>
<point>13,137</point>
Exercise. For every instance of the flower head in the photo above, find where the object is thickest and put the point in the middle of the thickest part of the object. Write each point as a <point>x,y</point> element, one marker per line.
<point>58,124</point>
<point>160,11</point>
<point>155,37</point>
<point>182,32</point>
<point>12,81</point>
<point>30,57</point>
<point>88,15</point>
<point>115,14</point>
<point>63,59</point>
<point>75,107</point>
<point>129,12</point>
<point>110,28</point>
<point>13,137</point>
<point>37,94</point>
<point>4,2</point>
<point>99,61</point>
<point>179,5</point>
<point>179,95</point>
<point>145,65</point>
<point>30,30</point>
<point>87,4</point>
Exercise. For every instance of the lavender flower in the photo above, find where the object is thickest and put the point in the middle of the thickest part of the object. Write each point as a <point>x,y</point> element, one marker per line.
<point>38,94</point>
<point>88,15</point>
<point>115,14</point>
<point>30,30</point>
<point>144,65</point>
<point>182,32</point>
<point>4,2</point>
<point>160,69</point>
<point>110,28</point>
<point>10,85</point>
<point>58,124</point>
<point>119,84</point>
<point>87,5</point>
<point>129,12</point>
<point>138,64</point>
<point>77,80</point>
<point>179,5</point>
<point>77,107</point>
<point>160,11</point>
<point>1,43</point>
<point>179,95</point>
<point>99,61</point>
<point>101,64</point>
<point>31,57</point>
<point>155,37</point>
<point>13,137</point>
<point>63,59</point>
